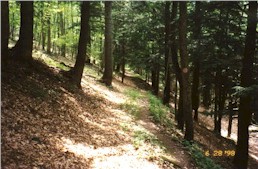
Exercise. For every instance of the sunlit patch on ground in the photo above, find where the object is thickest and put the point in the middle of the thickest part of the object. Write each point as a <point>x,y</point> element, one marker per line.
<point>122,156</point>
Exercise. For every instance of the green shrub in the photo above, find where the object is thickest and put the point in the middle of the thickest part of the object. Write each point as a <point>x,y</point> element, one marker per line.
<point>202,161</point>
<point>157,110</point>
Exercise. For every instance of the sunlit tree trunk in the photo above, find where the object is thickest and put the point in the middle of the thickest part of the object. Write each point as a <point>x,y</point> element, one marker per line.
<point>244,117</point>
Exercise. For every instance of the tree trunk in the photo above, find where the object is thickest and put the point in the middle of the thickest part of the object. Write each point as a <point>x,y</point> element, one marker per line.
<point>166,93</point>
<point>187,107</point>
<point>176,112</point>
<point>48,36</point>
<point>244,117</point>
<point>77,70</point>
<point>4,29</point>
<point>62,32</point>
<point>195,90</point>
<point>196,71</point>
<point>155,78</point>
<point>108,67</point>
<point>179,115</point>
<point>206,91</point>
<point>123,62</point>
<point>230,118</point>
<point>23,47</point>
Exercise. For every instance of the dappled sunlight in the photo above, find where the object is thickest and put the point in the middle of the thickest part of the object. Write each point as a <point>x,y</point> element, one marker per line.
<point>122,156</point>
<point>123,161</point>
<point>107,94</point>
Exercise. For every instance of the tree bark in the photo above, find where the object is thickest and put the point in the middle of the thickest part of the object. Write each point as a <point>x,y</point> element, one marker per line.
<point>4,29</point>
<point>179,114</point>
<point>108,67</point>
<point>244,117</point>
<point>48,36</point>
<point>196,71</point>
<point>23,47</point>
<point>62,31</point>
<point>123,61</point>
<point>166,93</point>
<point>77,70</point>
<point>187,107</point>
<point>230,118</point>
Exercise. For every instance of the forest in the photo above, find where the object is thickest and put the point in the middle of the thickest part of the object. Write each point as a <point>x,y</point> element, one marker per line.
<point>129,84</point>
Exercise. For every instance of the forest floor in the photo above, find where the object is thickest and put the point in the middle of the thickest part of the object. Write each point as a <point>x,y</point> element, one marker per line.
<point>48,123</point>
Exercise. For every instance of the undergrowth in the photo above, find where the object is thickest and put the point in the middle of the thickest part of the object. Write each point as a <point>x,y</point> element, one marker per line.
<point>202,161</point>
<point>131,104</point>
<point>158,111</point>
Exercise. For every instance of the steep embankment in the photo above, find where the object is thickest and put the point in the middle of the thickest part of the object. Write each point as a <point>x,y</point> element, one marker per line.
<point>48,123</point>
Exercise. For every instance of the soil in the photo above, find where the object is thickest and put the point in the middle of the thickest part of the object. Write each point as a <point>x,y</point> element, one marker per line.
<point>48,123</point>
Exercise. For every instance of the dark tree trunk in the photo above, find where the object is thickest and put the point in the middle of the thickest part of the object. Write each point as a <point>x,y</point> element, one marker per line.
<point>230,118</point>
<point>244,117</point>
<point>180,114</point>
<point>48,36</point>
<point>217,101</point>
<point>4,29</point>
<point>195,91</point>
<point>166,93</point>
<point>187,107</point>
<point>123,62</point>
<point>43,34</point>
<point>206,91</point>
<point>176,112</point>
<point>62,32</point>
<point>77,70</point>
<point>176,67</point>
<point>118,67</point>
<point>155,78</point>
<point>23,47</point>
<point>108,70</point>
<point>12,27</point>
<point>196,71</point>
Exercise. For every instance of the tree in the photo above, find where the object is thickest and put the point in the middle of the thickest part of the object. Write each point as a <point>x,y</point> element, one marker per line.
<point>174,55</point>
<point>244,117</point>
<point>77,70</point>
<point>23,48</point>
<point>196,62</point>
<point>4,29</point>
<point>108,69</point>
<point>187,107</point>
<point>167,89</point>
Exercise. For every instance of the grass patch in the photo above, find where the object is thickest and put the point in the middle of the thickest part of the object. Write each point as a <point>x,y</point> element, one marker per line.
<point>131,104</point>
<point>133,94</point>
<point>200,159</point>
<point>158,111</point>
<point>92,71</point>
<point>141,137</point>
<point>132,108</point>
<point>52,63</point>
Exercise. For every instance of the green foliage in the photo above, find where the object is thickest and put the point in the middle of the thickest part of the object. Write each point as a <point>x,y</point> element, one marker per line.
<point>133,94</point>
<point>202,161</point>
<point>245,91</point>
<point>51,62</point>
<point>131,105</point>
<point>141,137</point>
<point>158,110</point>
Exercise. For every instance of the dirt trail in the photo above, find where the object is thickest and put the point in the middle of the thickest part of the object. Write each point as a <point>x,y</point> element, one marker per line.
<point>172,147</point>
